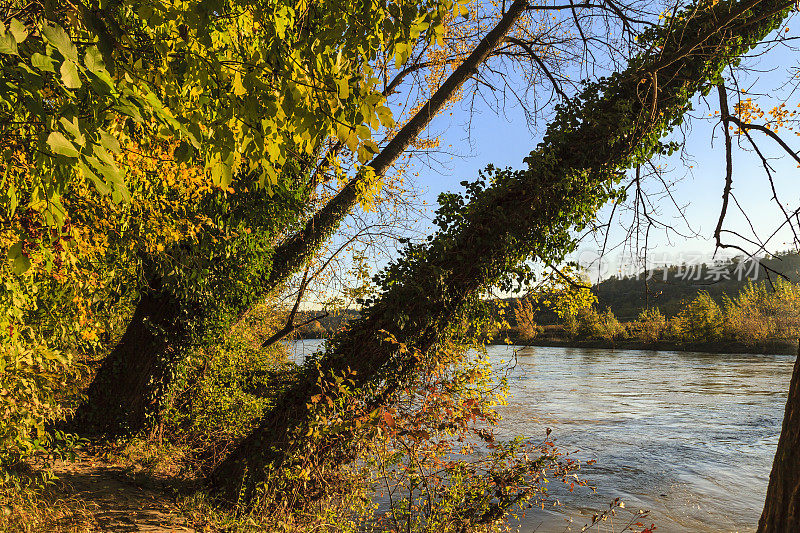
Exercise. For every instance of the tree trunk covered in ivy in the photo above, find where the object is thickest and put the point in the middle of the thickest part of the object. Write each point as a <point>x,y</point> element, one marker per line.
<point>782,506</point>
<point>510,217</point>
<point>143,354</point>
<point>191,300</point>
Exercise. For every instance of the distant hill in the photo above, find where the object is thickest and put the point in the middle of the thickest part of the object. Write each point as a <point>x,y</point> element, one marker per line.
<point>666,287</point>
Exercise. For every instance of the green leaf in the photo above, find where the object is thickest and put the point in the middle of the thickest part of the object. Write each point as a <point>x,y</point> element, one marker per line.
<point>18,30</point>
<point>221,171</point>
<point>363,132</point>
<point>344,88</point>
<point>371,146</point>
<point>182,152</point>
<point>194,134</point>
<point>108,168</point>
<point>109,142</point>
<point>273,150</point>
<point>73,128</point>
<point>55,213</point>
<point>21,264</point>
<point>101,186</point>
<point>120,195</point>
<point>238,86</point>
<point>104,156</point>
<point>283,18</point>
<point>12,199</point>
<point>385,116</point>
<point>93,60</point>
<point>15,250</point>
<point>351,140</point>
<point>60,145</point>
<point>69,74</point>
<point>43,63</point>
<point>33,80</point>
<point>363,154</point>
<point>101,81</point>
<point>56,36</point>
<point>8,45</point>
<point>401,51</point>
<point>269,178</point>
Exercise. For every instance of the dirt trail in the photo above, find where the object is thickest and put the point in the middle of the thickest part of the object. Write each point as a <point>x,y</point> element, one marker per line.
<point>116,502</point>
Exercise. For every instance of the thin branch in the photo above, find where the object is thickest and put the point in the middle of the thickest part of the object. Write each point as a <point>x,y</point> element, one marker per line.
<point>774,136</point>
<point>525,46</point>
<point>726,117</point>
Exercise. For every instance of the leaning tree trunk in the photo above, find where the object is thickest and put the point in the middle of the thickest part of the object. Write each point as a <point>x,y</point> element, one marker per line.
<point>127,384</point>
<point>613,125</point>
<point>782,506</point>
<point>142,357</point>
<point>295,252</point>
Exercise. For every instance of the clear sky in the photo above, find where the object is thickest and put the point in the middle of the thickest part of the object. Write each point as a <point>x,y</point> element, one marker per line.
<point>475,135</point>
<point>505,140</point>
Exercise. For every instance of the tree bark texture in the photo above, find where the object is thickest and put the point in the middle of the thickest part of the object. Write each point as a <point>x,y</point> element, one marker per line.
<point>126,387</point>
<point>782,506</point>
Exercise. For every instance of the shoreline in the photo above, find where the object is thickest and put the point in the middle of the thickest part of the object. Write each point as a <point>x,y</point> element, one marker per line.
<point>783,347</point>
<point>778,347</point>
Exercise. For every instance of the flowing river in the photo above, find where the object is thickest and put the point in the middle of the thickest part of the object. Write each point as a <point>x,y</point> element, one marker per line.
<point>688,436</point>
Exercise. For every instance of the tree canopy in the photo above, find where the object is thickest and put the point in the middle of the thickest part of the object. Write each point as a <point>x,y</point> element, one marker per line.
<point>169,168</point>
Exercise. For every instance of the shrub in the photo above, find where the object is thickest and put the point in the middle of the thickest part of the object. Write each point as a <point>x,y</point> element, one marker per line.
<point>315,330</point>
<point>609,327</point>
<point>589,323</point>
<point>524,313</point>
<point>650,325</point>
<point>220,393</point>
<point>700,320</point>
<point>760,313</point>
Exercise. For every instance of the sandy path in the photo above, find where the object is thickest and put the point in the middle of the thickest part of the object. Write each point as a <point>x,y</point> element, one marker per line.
<point>117,503</point>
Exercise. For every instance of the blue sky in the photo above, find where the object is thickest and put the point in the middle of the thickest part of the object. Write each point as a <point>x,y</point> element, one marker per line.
<point>480,135</point>
<point>505,140</point>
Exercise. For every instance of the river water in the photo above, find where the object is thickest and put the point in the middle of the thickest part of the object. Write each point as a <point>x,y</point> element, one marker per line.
<point>688,436</point>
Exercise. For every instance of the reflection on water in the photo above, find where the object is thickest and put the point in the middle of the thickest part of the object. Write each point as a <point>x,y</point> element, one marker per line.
<point>689,436</point>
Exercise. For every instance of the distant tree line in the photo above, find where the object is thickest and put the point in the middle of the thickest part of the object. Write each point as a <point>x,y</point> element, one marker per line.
<point>667,292</point>
<point>669,287</point>
<point>758,315</point>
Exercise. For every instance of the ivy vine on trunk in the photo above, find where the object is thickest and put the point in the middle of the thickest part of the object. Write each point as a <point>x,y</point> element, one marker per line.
<point>506,218</point>
<point>285,260</point>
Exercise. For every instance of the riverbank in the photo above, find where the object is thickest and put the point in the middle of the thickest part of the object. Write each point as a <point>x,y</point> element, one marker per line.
<point>778,347</point>
<point>688,436</point>
<point>775,347</point>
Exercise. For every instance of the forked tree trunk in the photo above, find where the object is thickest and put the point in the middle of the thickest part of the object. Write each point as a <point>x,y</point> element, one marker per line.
<point>782,506</point>
<point>142,359</point>
<point>614,125</point>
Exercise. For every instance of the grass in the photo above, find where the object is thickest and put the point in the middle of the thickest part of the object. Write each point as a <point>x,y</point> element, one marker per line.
<point>36,509</point>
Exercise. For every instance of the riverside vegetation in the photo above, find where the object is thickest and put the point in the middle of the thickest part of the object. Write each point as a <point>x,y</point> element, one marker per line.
<point>169,169</point>
<point>759,318</point>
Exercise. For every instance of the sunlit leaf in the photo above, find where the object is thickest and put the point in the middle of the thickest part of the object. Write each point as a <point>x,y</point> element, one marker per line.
<point>56,36</point>
<point>69,75</point>
<point>60,145</point>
